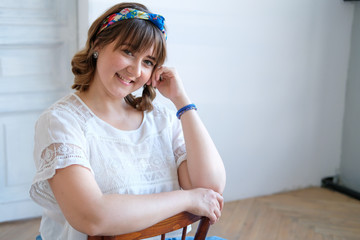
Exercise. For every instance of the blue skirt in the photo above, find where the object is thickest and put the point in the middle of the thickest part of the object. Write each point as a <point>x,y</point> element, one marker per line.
<point>187,238</point>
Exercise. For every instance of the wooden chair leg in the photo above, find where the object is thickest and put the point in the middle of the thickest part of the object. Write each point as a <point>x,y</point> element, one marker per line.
<point>202,229</point>
<point>183,236</point>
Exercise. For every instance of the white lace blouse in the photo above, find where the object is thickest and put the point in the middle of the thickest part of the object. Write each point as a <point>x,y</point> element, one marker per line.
<point>142,161</point>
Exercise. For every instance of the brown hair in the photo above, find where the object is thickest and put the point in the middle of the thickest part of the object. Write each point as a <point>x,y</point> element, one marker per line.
<point>140,33</point>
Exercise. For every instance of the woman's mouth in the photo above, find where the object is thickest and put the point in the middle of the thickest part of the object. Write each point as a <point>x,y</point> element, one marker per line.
<point>124,80</point>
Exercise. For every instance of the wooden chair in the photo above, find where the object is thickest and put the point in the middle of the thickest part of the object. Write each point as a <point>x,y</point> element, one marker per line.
<point>178,221</point>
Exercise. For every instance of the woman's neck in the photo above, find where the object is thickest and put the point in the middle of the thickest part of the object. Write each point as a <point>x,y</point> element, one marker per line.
<point>114,111</point>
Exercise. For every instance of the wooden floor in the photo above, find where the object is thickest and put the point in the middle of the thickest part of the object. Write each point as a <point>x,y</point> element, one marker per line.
<point>308,214</point>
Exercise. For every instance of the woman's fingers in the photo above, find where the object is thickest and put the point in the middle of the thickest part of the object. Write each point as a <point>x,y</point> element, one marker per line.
<point>168,82</point>
<point>220,204</point>
<point>215,216</point>
<point>155,78</point>
<point>210,204</point>
<point>221,201</point>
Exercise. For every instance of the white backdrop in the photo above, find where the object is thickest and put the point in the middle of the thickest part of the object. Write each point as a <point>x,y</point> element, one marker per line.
<point>269,80</point>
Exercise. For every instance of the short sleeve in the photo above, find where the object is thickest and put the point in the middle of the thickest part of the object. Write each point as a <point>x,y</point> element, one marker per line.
<point>59,142</point>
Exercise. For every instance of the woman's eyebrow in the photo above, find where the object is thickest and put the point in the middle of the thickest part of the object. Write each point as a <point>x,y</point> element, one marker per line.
<point>152,58</point>
<point>132,48</point>
<point>126,45</point>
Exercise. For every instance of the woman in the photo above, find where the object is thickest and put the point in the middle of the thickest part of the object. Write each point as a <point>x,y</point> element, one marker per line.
<point>110,163</point>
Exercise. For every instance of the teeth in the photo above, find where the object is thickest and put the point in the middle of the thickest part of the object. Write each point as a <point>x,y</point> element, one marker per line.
<point>122,78</point>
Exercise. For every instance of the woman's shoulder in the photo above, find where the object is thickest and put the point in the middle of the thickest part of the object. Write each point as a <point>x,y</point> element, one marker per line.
<point>69,108</point>
<point>163,110</point>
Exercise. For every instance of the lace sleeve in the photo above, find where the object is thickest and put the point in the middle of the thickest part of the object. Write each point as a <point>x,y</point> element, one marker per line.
<point>54,157</point>
<point>59,142</point>
<point>180,155</point>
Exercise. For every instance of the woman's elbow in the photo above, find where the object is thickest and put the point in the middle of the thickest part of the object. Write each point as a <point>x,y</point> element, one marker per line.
<point>88,224</point>
<point>218,186</point>
<point>91,230</point>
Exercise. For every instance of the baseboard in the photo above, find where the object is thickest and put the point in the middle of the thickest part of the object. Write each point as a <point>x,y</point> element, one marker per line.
<point>330,183</point>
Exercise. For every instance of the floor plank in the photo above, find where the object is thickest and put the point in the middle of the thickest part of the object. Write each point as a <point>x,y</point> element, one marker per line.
<point>20,230</point>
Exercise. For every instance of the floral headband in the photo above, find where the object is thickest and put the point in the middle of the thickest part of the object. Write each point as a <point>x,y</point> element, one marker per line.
<point>128,13</point>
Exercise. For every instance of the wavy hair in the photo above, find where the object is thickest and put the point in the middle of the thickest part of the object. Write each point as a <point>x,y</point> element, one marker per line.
<point>141,33</point>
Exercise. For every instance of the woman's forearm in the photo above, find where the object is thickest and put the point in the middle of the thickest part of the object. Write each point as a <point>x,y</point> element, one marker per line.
<point>205,166</point>
<point>136,212</point>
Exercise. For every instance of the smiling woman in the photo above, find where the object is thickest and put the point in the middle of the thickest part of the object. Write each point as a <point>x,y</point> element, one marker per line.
<point>110,163</point>
<point>135,33</point>
<point>120,71</point>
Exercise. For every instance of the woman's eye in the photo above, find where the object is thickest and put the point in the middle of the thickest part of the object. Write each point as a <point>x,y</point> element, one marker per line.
<point>149,63</point>
<point>127,52</point>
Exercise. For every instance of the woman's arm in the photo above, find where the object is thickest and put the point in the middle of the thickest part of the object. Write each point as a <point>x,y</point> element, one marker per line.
<point>204,164</point>
<point>90,211</point>
<point>204,167</point>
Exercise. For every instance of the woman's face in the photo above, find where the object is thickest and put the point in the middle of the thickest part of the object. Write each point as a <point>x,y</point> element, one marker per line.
<point>122,71</point>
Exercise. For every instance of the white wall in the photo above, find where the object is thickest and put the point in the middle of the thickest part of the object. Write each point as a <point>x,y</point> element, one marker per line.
<point>269,79</point>
<point>350,160</point>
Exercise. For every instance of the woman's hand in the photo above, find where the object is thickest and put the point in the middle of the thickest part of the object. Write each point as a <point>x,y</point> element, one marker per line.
<point>169,84</point>
<point>206,202</point>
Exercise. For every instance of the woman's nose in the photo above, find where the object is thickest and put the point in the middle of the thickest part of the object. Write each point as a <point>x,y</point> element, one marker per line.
<point>135,68</point>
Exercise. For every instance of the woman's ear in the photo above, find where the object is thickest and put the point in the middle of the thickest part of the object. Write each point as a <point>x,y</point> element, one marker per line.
<point>96,47</point>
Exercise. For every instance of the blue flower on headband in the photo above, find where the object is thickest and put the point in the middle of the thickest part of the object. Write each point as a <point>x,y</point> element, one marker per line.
<point>129,13</point>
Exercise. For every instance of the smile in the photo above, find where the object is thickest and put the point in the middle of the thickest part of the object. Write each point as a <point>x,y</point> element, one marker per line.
<point>123,80</point>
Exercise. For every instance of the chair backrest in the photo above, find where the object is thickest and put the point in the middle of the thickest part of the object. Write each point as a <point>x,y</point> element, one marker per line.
<point>178,221</point>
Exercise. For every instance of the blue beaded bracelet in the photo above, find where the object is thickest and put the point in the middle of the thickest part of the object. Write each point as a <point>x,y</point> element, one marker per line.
<point>184,109</point>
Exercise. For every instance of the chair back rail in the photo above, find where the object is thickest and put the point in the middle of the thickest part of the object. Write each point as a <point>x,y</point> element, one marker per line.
<point>178,221</point>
